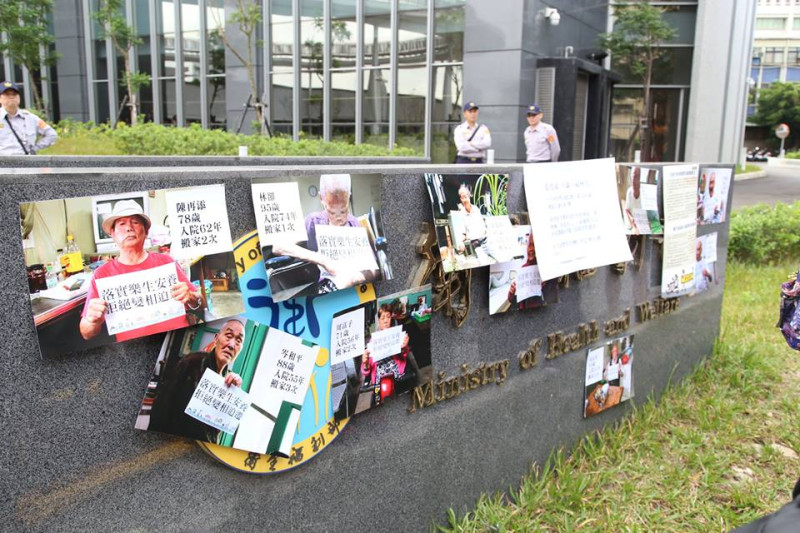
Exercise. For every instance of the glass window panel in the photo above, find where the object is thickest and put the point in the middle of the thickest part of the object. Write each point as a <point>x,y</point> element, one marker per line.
<point>166,39</point>
<point>101,101</point>
<point>375,100</point>
<point>770,23</point>
<point>448,30</point>
<point>443,149</point>
<point>281,101</point>
<point>627,108</point>
<point>343,97</point>
<point>141,13</point>
<point>345,133</point>
<point>2,68</point>
<point>672,67</point>
<point>411,84</point>
<point>100,60</point>
<point>412,32</point>
<point>377,33</point>
<point>447,89</point>
<point>682,19</point>
<point>190,29</point>
<point>282,35</point>
<point>792,73</point>
<point>169,109</point>
<point>771,74</point>
<point>216,102</point>
<point>773,56</point>
<point>146,102</point>
<point>215,23</point>
<point>754,73</point>
<point>796,23</point>
<point>793,56</point>
<point>344,32</point>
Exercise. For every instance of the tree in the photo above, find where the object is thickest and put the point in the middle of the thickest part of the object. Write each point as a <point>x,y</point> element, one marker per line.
<point>248,17</point>
<point>779,103</point>
<point>27,39</point>
<point>639,29</point>
<point>123,37</point>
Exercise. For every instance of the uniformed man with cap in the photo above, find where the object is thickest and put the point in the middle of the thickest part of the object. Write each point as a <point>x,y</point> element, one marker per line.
<point>471,138</point>
<point>20,129</point>
<point>541,140</point>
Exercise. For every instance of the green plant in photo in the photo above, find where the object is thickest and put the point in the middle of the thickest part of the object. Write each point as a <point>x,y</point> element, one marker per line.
<point>491,191</point>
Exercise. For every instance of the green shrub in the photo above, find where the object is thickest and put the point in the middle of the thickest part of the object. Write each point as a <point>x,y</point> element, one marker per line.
<point>762,234</point>
<point>146,138</point>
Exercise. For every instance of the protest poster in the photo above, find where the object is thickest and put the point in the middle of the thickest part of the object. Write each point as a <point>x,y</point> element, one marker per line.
<point>272,367</point>
<point>637,188</point>
<point>680,230</point>
<point>575,216</point>
<point>398,356</point>
<point>139,299</point>
<point>705,266</point>
<point>346,246</point>
<point>347,336</point>
<point>385,343</point>
<point>198,222</point>
<point>279,215</point>
<point>502,239</point>
<point>294,220</point>
<point>504,280</point>
<point>467,214</point>
<point>529,282</point>
<point>609,375</point>
<point>216,404</point>
<point>712,194</point>
<point>123,234</point>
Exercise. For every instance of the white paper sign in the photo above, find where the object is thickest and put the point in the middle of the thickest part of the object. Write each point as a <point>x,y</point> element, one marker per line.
<point>279,215</point>
<point>283,372</point>
<point>139,299</point>
<point>575,216</point>
<point>529,283</point>
<point>680,230</point>
<point>346,244</point>
<point>649,194</point>
<point>386,343</point>
<point>347,336</point>
<point>594,366</point>
<point>501,238</point>
<point>612,371</point>
<point>198,222</point>
<point>216,404</point>
<point>710,247</point>
<point>641,221</point>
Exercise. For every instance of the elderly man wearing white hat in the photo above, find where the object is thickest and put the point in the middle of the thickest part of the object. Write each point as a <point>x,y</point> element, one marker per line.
<point>128,226</point>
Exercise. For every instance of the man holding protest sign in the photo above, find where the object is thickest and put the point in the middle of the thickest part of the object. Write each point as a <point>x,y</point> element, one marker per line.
<point>176,390</point>
<point>128,227</point>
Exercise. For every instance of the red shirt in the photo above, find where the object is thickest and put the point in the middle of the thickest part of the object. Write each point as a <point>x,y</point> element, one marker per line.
<point>115,268</point>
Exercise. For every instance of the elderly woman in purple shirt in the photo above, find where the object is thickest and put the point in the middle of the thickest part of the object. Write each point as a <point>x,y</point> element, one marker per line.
<point>334,194</point>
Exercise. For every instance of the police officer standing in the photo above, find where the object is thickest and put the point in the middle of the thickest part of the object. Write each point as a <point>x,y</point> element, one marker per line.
<point>471,138</point>
<point>541,140</point>
<point>19,129</point>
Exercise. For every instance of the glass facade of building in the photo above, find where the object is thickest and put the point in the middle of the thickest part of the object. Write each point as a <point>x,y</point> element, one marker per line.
<point>385,72</point>
<point>669,93</point>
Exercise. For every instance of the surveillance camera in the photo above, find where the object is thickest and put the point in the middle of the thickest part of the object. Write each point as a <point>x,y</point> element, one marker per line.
<point>555,18</point>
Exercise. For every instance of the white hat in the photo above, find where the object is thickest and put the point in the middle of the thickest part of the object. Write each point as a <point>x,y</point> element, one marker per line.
<point>125,208</point>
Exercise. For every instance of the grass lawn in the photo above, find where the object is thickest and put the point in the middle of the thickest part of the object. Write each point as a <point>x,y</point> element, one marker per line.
<point>717,451</point>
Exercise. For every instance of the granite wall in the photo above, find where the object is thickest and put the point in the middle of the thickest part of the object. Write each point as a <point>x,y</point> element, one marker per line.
<point>72,461</point>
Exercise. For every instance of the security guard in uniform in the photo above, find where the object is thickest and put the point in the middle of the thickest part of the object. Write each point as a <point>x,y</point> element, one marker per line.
<point>541,140</point>
<point>19,128</point>
<point>471,138</point>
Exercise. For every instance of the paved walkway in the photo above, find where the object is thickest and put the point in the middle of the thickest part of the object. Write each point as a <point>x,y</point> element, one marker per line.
<point>780,185</point>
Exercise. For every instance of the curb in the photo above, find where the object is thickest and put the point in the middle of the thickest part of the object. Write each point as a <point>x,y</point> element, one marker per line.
<point>750,175</point>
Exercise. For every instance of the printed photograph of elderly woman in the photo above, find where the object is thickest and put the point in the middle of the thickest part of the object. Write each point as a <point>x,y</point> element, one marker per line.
<point>345,244</point>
